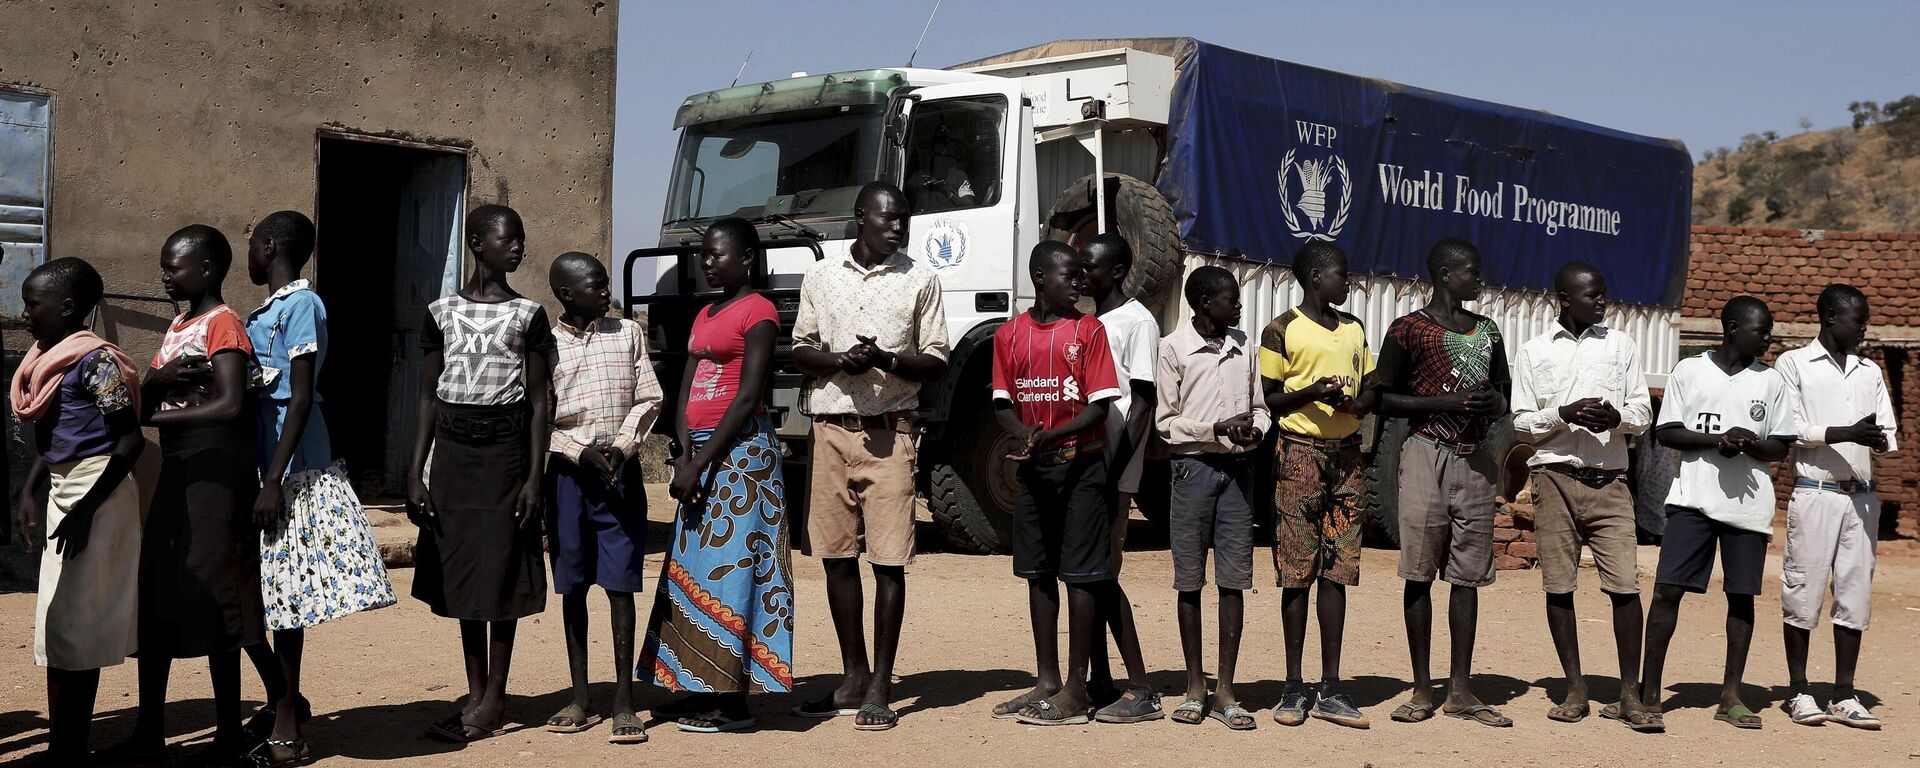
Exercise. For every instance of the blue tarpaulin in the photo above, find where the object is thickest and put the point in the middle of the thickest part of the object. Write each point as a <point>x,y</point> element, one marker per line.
<point>1264,156</point>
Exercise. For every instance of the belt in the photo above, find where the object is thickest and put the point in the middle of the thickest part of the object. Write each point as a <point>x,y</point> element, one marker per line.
<point>1068,454</point>
<point>482,430</point>
<point>1589,476</point>
<point>1320,442</point>
<point>1841,486</point>
<point>852,422</point>
<point>1458,448</point>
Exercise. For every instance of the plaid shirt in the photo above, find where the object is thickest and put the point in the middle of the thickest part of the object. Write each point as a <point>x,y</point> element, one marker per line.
<point>604,387</point>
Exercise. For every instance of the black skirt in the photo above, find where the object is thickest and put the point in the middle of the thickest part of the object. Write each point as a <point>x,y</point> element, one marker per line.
<point>474,562</point>
<point>199,550</point>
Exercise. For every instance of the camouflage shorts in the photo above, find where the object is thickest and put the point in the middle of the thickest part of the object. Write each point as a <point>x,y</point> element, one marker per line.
<point>1317,487</point>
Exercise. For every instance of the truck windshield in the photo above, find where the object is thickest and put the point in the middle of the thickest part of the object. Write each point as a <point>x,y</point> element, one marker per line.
<point>804,164</point>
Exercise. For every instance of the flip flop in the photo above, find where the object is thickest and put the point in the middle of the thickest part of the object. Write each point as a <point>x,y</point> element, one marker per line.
<point>627,729</point>
<point>467,734</point>
<point>1739,717</point>
<point>262,756</point>
<point>1010,709</point>
<point>1045,712</point>
<point>1473,714</point>
<point>1412,713</point>
<point>884,718</point>
<point>261,723</point>
<point>823,709</point>
<point>1190,712</point>
<point>446,728</point>
<point>1235,717</point>
<point>1561,713</point>
<point>573,723</point>
<point>718,722</point>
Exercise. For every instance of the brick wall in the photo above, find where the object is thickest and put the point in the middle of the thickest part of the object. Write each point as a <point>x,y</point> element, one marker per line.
<point>1787,268</point>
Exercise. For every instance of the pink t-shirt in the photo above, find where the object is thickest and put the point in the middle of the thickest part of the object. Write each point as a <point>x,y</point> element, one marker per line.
<point>717,345</point>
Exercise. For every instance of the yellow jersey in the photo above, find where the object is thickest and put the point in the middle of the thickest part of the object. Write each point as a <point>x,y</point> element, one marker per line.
<point>1296,351</point>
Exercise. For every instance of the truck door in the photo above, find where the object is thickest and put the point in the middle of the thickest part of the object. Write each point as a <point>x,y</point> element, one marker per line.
<point>961,166</point>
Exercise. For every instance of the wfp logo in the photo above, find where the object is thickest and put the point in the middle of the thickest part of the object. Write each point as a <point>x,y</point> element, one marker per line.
<point>1318,209</point>
<point>946,245</point>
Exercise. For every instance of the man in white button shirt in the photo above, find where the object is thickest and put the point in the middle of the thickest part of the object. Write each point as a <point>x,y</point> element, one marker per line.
<point>1578,394</point>
<point>1844,418</point>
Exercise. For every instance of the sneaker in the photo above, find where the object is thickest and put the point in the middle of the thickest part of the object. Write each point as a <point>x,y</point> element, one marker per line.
<point>1292,709</point>
<point>1336,708</point>
<point>1853,714</point>
<point>1804,710</point>
<point>1138,705</point>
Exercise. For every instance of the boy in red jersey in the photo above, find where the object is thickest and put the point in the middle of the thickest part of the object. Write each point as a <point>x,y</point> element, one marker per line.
<point>1053,377</point>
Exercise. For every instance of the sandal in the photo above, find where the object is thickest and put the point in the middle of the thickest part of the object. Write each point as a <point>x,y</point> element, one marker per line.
<point>1137,705</point>
<point>823,708</point>
<point>1739,717</point>
<point>879,717</point>
<point>1045,712</point>
<point>1492,718</point>
<point>714,722</point>
<point>627,729</point>
<point>1190,712</point>
<point>1412,713</point>
<point>1561,713</point>
<point>1236,717</point>
<point>261,723</point>
<point>262,756</point>
<point>1010,709</point>
<point>571,718</point>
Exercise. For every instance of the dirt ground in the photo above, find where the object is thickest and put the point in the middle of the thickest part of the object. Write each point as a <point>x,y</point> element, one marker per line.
<point>377,680</point>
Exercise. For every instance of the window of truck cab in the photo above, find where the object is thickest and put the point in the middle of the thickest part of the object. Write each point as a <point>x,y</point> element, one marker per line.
<point>804,164</point>
<point>952,160</point>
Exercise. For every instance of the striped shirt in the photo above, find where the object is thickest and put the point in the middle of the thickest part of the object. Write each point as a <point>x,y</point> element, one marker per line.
<point>604,388</point>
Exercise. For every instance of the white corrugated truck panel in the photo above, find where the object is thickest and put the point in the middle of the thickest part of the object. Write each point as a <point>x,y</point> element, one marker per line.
<point>1266,290</point>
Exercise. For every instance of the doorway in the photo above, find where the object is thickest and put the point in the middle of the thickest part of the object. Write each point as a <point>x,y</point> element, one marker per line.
<point>389,216</point>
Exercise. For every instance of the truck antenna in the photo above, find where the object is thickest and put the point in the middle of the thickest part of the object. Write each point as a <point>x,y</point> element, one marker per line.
<point>742,70</point>
<point>923,33</point>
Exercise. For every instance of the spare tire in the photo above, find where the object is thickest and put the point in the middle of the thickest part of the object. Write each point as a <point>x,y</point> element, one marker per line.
<point>1137,212</point>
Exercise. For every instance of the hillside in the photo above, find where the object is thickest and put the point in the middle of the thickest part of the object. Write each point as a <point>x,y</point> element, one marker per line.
<point>1862,177</point>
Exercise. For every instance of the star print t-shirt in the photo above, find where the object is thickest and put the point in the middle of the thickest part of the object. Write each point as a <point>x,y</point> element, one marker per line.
<point>717,345</point>
<point>484,346</point>
<point>1052,371</point>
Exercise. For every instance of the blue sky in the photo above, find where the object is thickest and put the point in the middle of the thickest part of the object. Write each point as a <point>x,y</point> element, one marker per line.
<point>1703,71</point>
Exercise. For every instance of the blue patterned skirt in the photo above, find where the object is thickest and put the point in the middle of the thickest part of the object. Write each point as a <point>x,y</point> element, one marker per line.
<point>723,611</point>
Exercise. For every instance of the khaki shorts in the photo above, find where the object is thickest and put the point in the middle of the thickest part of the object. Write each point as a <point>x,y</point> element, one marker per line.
<point>1568,514</point>
<point>862,497</point>
<point>1830,539</point>
<point>1446,514</point>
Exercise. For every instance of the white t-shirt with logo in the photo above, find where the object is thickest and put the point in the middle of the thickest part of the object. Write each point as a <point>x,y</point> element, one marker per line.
<point>1735,490</point>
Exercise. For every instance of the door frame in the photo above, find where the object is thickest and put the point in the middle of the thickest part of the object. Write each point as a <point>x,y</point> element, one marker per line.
<point>324,133</point>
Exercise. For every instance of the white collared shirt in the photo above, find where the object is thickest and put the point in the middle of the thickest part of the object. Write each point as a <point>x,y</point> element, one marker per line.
<point>1554,369</point>
<point>1199,383</point>
<point>1824,394</point>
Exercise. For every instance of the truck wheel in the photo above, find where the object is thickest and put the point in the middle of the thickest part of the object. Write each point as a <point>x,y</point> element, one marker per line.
<point>971,488</point>
<point>1382,522</point>
<point>1138,212</point>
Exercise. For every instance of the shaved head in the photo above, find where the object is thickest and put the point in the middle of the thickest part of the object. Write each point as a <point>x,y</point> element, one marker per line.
<point>1740,308</point>
<point>570,266</point>
<point>1571,272</point>
<point>1049,253</point>
<point>1450,253</point>
<point>874,192</point>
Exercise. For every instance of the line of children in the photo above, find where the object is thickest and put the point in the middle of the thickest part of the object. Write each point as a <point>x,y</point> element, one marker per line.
<point>723,618</point>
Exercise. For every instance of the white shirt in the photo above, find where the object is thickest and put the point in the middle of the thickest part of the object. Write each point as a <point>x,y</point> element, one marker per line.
<point>1554,369</point>
<point>1134,336</point>
<point>1824,393</point>
<point>1735,490</point>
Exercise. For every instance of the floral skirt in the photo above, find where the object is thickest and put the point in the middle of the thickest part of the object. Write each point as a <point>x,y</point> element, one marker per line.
<point>321,562</point>
<point>723,611</point>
